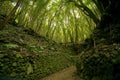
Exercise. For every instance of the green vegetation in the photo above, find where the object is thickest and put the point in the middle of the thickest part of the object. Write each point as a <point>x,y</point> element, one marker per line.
<point>30,56</point>
<point>41,37</point>
<point>101,63</point>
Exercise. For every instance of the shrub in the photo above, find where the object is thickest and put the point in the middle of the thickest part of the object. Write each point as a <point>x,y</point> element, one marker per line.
<point>29,65</point>
<point>102,63</point>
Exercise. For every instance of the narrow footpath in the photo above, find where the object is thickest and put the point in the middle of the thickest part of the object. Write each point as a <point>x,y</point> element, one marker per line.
<point>66,74</point>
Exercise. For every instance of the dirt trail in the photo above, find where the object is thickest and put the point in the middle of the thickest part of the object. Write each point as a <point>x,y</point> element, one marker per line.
<point>66,74</point>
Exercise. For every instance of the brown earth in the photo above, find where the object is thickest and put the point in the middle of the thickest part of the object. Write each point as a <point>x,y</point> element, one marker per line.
<point>66,74</point>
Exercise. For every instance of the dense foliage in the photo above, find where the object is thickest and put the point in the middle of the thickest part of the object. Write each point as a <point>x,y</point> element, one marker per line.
<point>102,63</point>
<point>29,56</point>
<point>68,22</point>
<point>53,18</point>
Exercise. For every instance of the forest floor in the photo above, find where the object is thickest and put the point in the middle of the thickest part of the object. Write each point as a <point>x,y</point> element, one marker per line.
<point>26,55</point>
<point>66,74</point>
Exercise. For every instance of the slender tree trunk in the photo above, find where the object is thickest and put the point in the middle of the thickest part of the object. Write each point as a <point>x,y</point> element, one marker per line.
<point>11,14</point>
<point>0,4</point>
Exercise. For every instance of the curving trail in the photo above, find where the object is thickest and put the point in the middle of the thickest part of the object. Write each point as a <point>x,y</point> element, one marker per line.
<point>66,74</point>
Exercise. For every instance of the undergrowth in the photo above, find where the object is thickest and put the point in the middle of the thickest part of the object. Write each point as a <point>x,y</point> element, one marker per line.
<point>26,55</point>
<point>101,63</point>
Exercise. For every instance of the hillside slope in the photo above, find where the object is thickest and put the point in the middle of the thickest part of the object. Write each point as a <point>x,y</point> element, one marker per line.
<point>26,55</point>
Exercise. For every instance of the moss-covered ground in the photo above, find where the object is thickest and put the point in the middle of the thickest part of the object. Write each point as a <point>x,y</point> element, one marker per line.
<point>26,55</point>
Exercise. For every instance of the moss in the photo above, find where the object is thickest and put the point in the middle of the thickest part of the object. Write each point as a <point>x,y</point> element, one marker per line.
<point>29,56</point>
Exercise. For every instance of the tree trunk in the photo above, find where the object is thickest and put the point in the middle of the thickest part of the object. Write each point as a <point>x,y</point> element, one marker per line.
<point>109,26</point>
<point>11,14</point>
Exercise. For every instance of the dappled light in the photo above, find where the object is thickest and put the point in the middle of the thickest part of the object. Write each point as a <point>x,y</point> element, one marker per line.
<point>44,39</point>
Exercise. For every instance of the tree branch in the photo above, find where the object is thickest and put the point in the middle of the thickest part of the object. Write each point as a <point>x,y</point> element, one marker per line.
<point>11,14</point>
<point>86,10</point>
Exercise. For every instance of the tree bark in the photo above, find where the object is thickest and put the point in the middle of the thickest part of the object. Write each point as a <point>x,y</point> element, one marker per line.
<point>11,14</point>
<point>86,10</point>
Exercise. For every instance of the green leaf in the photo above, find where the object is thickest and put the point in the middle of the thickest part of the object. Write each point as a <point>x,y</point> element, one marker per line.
<point>13,74</point>
<point>11,45</point>
<point>41,48</point>
<point>1,64</point>
<point>1,55</point>
<point>29,69</point>
<point>14,64</point>
<point>18,55</point>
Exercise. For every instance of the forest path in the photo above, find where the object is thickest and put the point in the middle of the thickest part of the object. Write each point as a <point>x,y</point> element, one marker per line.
<point>66,74</point>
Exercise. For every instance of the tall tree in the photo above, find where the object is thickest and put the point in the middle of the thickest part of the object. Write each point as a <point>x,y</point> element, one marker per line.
<point>11,13</point>
<point>108,27</point>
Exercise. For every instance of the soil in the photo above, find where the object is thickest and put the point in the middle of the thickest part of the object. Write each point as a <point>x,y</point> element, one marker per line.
<point>66,74</point>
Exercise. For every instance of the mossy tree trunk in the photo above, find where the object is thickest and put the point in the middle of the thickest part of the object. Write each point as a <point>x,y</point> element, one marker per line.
<point>11,14</point>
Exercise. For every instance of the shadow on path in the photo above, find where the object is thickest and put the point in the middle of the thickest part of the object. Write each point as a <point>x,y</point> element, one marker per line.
<point>66,74</point>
